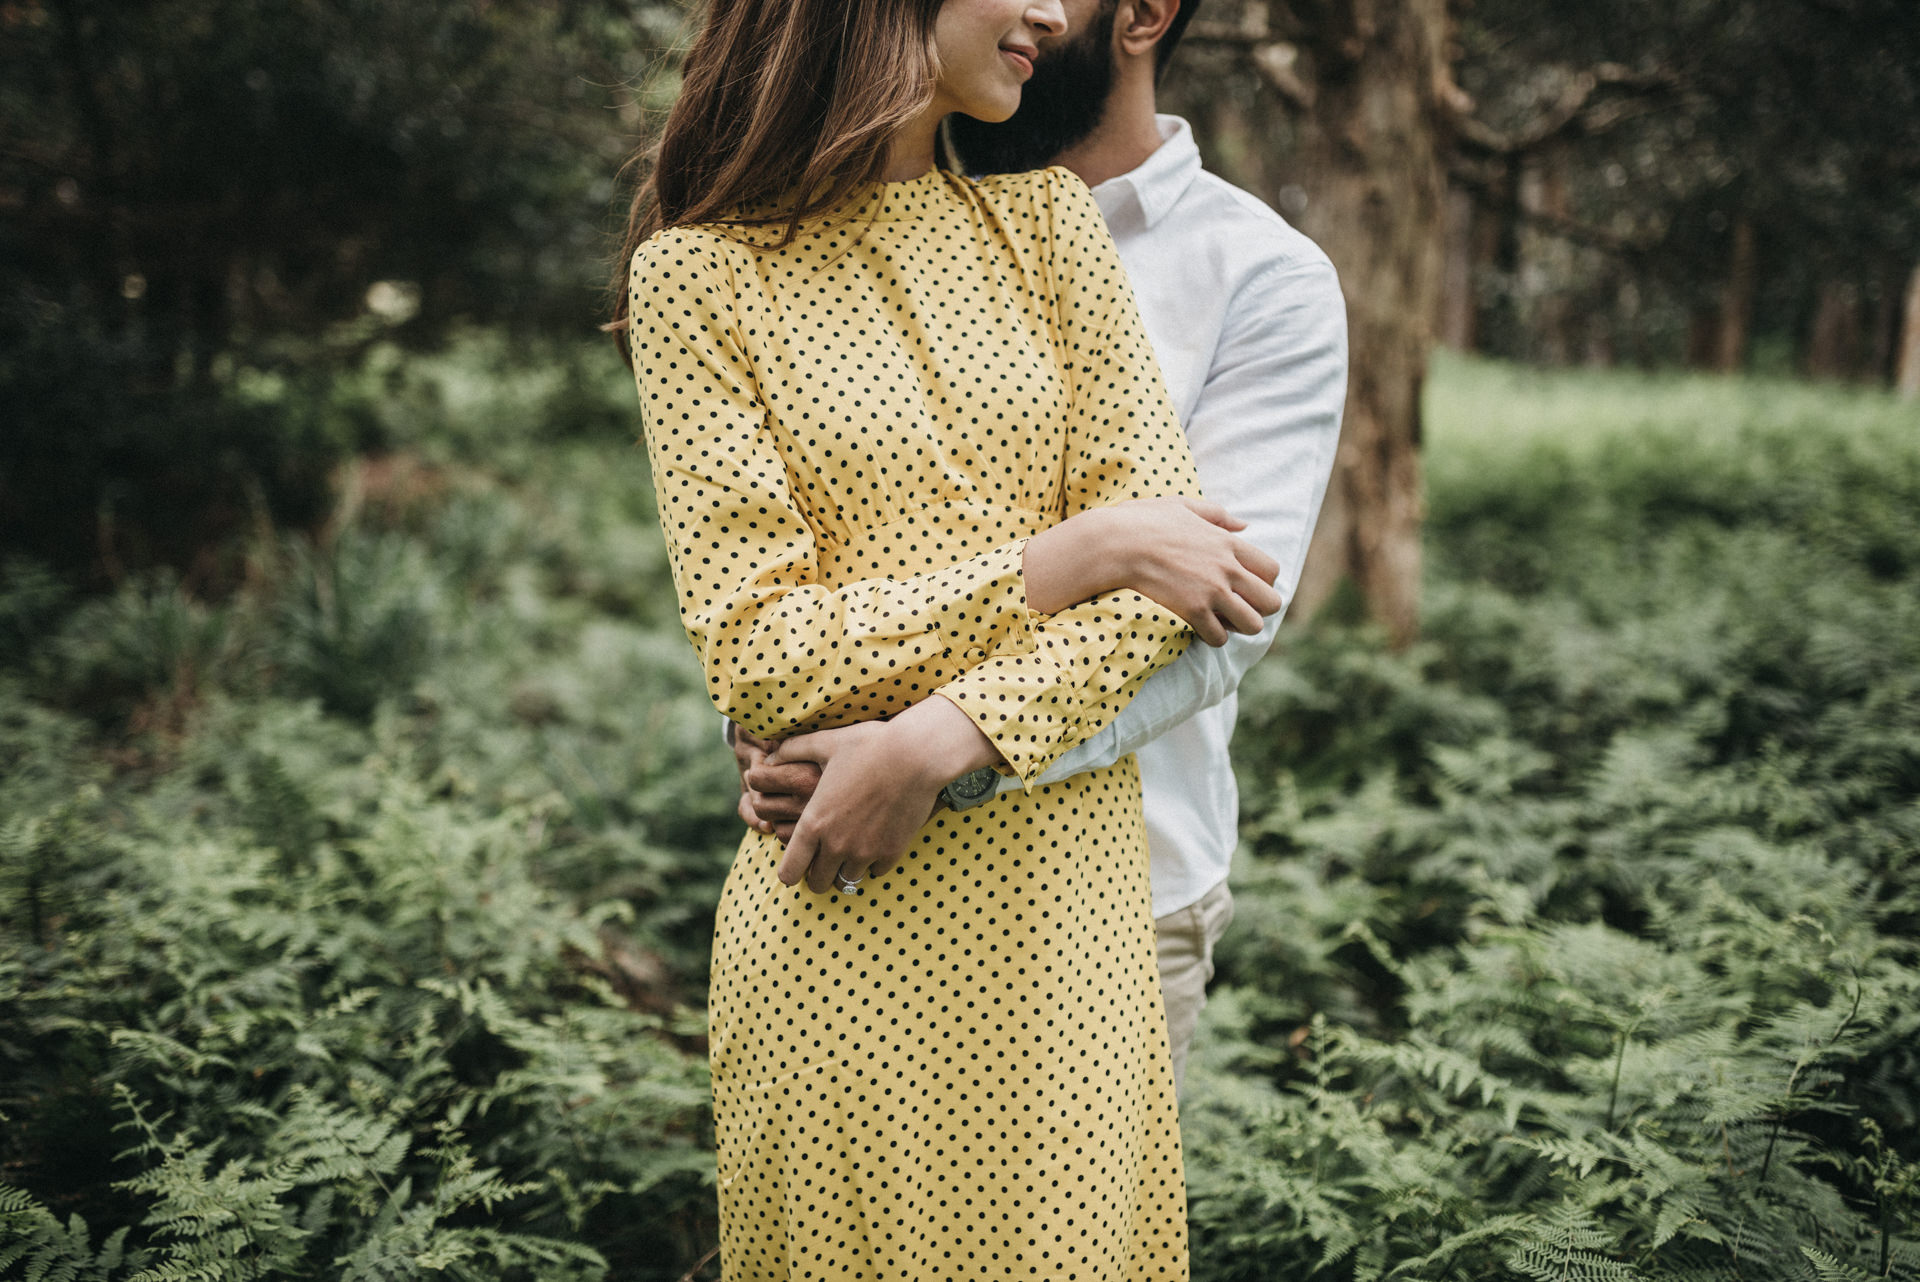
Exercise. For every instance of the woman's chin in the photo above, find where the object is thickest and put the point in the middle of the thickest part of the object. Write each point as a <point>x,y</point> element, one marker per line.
<point>991,115</point>
<point>992,108</point>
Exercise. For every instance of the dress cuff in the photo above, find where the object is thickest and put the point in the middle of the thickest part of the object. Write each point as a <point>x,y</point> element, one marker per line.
<point>1036,704</point>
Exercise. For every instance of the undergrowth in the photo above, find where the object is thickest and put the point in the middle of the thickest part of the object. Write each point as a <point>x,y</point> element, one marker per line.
<point>355,921</point>
<point>1577,941</point>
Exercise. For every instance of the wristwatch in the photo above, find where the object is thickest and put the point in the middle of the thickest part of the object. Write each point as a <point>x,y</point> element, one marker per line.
<point>971,788</point>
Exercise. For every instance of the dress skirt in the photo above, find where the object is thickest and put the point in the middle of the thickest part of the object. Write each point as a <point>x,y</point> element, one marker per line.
<point>960,1072</point>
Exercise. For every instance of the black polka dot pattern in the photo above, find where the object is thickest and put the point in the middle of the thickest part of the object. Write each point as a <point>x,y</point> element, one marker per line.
<point>962,1072</point>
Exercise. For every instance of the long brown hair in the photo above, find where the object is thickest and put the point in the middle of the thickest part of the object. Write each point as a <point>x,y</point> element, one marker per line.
<point>779,97</point>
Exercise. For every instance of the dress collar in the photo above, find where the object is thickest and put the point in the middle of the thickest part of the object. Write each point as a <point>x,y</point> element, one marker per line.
<point>1156,184</point>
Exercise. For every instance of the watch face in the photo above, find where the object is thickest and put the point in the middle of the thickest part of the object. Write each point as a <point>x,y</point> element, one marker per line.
<point>973,785</point>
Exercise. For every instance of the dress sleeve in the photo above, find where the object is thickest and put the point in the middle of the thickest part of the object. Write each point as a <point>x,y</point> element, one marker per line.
<point>1123,442</point>
<point>782,653</point>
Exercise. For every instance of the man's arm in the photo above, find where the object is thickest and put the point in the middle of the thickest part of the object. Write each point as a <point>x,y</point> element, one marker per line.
<point>1263,436</point>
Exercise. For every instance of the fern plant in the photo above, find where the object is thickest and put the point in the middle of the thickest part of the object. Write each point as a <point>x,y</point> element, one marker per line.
<point>1596,907</point>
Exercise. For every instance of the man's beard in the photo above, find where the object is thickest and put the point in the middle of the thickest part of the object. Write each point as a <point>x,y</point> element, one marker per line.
<point>1062,102</point>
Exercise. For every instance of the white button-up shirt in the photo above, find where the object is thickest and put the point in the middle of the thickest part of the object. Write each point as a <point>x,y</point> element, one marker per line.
<point>1246,317</point>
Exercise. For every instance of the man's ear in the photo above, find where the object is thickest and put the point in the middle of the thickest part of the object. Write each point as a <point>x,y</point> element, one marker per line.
<point>1138,25</point>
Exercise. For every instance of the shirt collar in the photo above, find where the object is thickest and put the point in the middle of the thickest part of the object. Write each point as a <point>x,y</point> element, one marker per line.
<point>1156,184</point>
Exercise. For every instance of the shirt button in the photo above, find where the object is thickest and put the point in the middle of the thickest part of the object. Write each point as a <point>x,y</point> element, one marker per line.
<point>975,654</point>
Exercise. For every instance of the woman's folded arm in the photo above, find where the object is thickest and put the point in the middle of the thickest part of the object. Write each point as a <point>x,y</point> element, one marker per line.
<point>782,652</point>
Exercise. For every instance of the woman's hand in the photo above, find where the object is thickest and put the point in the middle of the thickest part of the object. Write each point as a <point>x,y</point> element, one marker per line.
<point>879,784</point>
<point>864,812</point>
<point>1181,553</point>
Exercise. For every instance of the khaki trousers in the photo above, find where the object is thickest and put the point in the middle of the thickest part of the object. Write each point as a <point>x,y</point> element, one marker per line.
<point>1185,941</point>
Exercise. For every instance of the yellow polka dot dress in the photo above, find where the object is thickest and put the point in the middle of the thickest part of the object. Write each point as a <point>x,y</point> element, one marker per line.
<point>962,1072</point>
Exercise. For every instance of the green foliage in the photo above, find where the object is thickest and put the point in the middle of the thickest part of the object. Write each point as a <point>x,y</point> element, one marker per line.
<point>214,208</point>
<point>355,925</point>
<point>241,1220</point>
<point>356,621</point>
<point>37,1247</point>
<point>1798,120</point>
<point>1576,941</point>
<point>339,1022</point>
<point>465,150</point>
<point>108,463</point>
<point>32,598</point>
<point>150,641</point>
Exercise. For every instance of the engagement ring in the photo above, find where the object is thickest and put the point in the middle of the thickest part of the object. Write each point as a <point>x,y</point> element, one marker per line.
<point>848,886</point>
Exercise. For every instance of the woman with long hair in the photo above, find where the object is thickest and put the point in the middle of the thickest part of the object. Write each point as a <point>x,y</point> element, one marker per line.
<point>918,476</point>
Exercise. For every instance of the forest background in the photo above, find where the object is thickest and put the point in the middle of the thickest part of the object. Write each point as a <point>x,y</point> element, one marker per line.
<point>361,814</point>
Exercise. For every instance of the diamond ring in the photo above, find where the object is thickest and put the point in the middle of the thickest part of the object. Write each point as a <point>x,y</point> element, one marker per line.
<point>847,885</point>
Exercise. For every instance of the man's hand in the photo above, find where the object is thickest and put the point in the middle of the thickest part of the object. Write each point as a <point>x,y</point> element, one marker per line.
<point>1188,559</point>
<point>772,797</point>
<point>1182,553</point>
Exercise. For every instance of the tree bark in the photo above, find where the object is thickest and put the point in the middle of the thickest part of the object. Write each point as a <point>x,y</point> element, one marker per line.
<point>1883,325</point>
<point>1543,196</point>
<point>1906,365</point>
<point>1371,154</point>
<point>1458,311</point>
<point>1718,333</point>
<point>1736,301</point>
<point>1833,340</point>
<point>1703,337</point>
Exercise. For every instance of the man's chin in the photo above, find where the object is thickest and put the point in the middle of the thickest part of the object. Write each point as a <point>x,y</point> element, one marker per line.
<point>988,147</point>
<point>1061,106</point>
<point>1057,114</point>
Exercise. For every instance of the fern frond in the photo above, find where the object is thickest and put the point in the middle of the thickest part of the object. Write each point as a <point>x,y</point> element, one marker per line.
<point>1566,1246</point>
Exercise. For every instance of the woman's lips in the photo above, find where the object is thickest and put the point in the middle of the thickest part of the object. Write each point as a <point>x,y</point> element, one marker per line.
<point>1021,61</point>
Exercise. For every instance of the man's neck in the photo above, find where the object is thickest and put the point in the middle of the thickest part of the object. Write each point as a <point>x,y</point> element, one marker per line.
<point>1127,133</point>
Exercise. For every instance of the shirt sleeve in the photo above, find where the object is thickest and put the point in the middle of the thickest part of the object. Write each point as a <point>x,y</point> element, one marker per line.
<point>1123,442</point>
<point>1263,434</point>
<point>783,654</point>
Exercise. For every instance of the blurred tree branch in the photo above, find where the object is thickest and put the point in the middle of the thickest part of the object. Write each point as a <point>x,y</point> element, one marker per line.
<point>1581,108</point>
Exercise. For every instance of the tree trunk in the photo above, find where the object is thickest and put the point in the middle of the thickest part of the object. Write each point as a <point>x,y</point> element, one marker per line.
<point>1457,308</point>
<point>1883,329</point>
<point>1718,333</point>
<point>101,190</point>
<point>1833,341</point>
<point>1543,192</point>
<point>1703,337</point>
<point>1906,364</point>
<point>1371,153</point>
<point>1736,301</point>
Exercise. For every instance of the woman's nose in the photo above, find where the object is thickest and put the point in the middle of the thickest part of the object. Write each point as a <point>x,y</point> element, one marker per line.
<point>1050,17</point>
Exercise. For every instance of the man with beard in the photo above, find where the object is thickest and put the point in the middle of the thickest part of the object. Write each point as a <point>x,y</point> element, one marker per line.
<point>1247,320</point>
